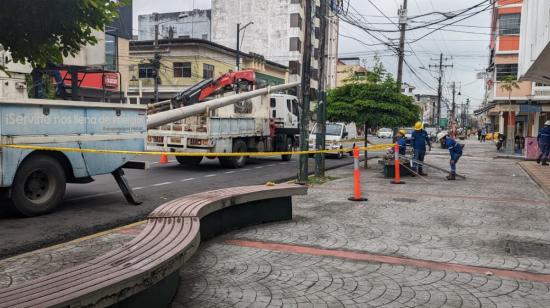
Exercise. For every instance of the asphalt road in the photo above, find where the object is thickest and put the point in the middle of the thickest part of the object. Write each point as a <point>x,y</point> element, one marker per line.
<point>89,208</point>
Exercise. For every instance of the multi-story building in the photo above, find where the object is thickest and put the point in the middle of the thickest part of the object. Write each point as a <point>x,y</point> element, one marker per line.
<point>102,69</point>
<point>534,64</point>
<point>185,62</point>
<point>277,33</point>
<point>190,24</point>
<point>506,112</point>
<point>349,69</point>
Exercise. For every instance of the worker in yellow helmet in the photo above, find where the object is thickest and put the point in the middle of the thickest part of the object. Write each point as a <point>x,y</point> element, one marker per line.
<point>419,140</point>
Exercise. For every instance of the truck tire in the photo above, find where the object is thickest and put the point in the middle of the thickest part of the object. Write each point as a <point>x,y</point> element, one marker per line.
<point>288,147</point>
<point>189,160</point>
<point>235,162</point>
<point>38,186</point>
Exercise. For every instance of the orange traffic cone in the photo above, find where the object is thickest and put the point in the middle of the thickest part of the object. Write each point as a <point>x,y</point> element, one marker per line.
<point>163,159</point>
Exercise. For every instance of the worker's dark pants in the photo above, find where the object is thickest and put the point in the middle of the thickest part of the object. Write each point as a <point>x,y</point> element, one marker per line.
<point>454,160</point>
<point>419,156</point>
<point>544,151</point>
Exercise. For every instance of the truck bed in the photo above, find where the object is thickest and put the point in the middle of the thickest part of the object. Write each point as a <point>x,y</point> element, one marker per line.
<point>70,124</point>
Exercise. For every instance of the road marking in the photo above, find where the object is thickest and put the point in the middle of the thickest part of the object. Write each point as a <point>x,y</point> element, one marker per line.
<point>138,188</point>
<point>246,169</point>
<point>402,261</point>
<point>258,167</point>
<point>272,165</point>
<point>162,184</point>
<point>230,172</point>
<point>186,180</point>
<point>210,175</point>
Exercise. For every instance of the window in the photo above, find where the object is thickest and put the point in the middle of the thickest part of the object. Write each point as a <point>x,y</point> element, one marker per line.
<point>504,70</point>
<point>295,44</point>
<point>296,2</point>
<point>296,20</point>
<point>146,71</point>
<point>111,53</point>
<point>295,108</point>
<point>509,24</point>
<point>289,105</point>
<point>182,69</point>
<point>205,37</point>
<point>273,102</point>
<point>207,71</point>
<point>294,68</point>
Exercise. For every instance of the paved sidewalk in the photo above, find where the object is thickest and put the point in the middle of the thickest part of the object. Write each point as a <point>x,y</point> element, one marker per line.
<point>539,174</point>
<point>483,241</point>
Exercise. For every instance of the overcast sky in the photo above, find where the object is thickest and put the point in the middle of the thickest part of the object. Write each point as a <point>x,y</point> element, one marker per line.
<point>469,51</point>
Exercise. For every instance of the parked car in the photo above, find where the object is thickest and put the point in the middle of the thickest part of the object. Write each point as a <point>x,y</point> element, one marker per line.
<point>384,133</point>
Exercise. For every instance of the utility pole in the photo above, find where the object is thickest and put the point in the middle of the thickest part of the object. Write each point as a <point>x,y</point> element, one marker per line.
<point>403,27</point>
<point>239,29</point>
<point>441,68</point>
<point>306,80</point>
<point>238,60</point>
<point>321,108</point>
<point>156,60</point>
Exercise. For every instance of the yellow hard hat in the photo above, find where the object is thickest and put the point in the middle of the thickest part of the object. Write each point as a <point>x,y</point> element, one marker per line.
<point>402,132</point>
<point>418,126</point>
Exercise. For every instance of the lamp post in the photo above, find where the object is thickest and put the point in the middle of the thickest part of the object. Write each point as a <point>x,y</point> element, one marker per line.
<point>529,100</point>
<point>156,60</point>
<point>239,29</point>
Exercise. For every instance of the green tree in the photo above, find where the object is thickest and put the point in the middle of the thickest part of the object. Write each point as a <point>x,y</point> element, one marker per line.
<point>508,84</point>
<point>40,31</point>
<point>376,102</point>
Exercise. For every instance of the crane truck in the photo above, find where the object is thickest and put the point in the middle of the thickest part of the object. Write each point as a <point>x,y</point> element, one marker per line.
<point>260,124</point>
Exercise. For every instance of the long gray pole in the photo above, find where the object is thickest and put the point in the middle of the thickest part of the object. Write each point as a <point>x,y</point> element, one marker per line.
<point>403,27</point>
<point>306,79</point>
<point>322,106</point>
<point>171,116</point>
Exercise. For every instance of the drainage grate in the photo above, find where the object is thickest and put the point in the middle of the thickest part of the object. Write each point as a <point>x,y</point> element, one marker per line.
<point>528,249</point>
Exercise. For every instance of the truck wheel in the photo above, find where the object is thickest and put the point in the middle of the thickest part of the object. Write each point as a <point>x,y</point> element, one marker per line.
<point>288,148</point>
<point>189,160</point>
<point>235,162</point>
<point>38,186</point>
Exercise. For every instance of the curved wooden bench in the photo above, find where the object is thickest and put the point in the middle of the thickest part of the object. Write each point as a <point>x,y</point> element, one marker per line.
<point>171,236</point>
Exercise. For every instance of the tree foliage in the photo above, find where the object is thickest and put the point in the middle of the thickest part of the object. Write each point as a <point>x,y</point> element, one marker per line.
<point>42,31</point>
<point>376,101</point>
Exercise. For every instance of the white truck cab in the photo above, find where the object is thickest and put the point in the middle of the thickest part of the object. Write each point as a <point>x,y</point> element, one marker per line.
<point>336,134</point>
<point>285,111</point>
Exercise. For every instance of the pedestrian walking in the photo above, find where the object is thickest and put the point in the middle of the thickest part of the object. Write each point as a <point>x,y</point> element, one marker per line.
<point>543,139</point>
<point>479,135</point>
<point>419,140</point>
<point>483,135</point>
<point>455,150</point>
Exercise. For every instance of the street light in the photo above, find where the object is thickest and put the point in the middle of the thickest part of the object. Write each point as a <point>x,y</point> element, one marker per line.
<point>239,29</point>
<point>156,60</point>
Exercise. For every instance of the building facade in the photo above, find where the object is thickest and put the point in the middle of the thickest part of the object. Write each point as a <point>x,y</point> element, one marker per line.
<point>185,62</point>
<point>190,24</point>
<point>428,105</point>
<point>277,33</point>
<point>516,113</point>
<point>349,69</point>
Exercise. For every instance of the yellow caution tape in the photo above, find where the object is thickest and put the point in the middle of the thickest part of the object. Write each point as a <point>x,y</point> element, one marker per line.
<point>377,147</point>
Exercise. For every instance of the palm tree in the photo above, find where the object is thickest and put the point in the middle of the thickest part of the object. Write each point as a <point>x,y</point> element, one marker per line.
<point>508,84</point>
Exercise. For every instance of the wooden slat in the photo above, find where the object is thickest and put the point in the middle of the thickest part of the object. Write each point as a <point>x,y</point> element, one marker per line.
<point>170,238</point>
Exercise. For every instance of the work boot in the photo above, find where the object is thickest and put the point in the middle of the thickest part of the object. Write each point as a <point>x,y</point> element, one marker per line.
<point>544,161</point>
<point>421,172</point>
<point>451,177</point>
<point>538,160</point>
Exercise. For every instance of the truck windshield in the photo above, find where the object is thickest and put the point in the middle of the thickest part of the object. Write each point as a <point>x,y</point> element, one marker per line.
<point>332,129</point>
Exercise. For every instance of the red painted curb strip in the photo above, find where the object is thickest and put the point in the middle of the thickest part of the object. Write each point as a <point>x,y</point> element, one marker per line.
<point>362,256</point>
